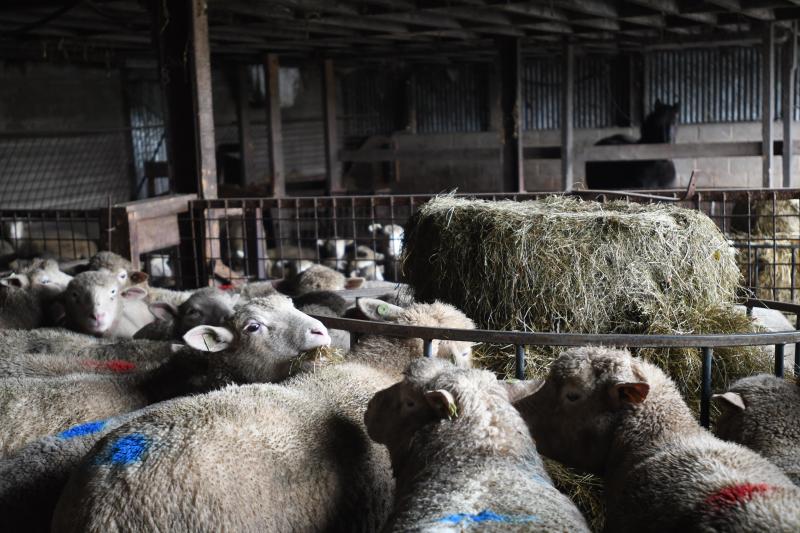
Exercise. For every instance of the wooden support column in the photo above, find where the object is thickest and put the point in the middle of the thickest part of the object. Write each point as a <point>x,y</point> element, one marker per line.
<point>243,120</point>
<point>271,73</point>
<point>787,102</point>
<point>180,34</point>
<point>567,119</point>
<point>333,168</point>
<point>510,60</point>
<point>767,102</point>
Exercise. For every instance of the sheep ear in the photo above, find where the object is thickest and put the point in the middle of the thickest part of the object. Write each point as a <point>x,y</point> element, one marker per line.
<point>519,389</point>
<point>208,338</point>
<point>138,276</point>
<point>134,293</point>
<point>378,310</point>
<point>14,281</point>
<point>733,399</point>
<point>374,227</point>
<point>353,283</point>
<point>629,393</point>
<point>163,310</point>
<point>443,403</point>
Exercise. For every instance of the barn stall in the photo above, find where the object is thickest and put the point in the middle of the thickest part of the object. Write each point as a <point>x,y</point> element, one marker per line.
<point>220,143</point>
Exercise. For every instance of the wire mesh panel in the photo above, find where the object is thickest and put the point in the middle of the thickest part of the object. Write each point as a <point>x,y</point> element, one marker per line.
<point>65,235</point>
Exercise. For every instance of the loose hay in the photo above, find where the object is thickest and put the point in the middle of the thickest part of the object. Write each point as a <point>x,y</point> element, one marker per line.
<point>766,267</point>
<point>759,221</point>
<point>563,264</point>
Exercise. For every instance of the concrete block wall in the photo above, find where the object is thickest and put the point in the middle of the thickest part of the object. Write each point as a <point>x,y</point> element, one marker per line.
<point>545,175</point>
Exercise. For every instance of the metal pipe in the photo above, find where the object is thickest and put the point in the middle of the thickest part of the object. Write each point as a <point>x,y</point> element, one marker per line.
<point>705,394</point>
<point>779,360</point>
<point>427,347</point>
<point>520,366</point>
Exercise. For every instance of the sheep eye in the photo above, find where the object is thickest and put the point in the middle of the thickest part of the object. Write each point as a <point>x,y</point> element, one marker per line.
<point>44,281</point>
<point>113,292</point>
<point>193,312</point>
<point>410,403</point>
<point>75,296</point>
<point>252,327</point>
<point>573,397</point>
<point>123,275</point>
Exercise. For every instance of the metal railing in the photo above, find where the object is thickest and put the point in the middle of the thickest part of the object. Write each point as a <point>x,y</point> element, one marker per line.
<point>520,340</point>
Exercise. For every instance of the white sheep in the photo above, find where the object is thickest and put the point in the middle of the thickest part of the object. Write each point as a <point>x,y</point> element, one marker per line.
<point>462,455</point>
<point>128,277</point>
<point>603,411</point>
<point>772,320</point>
<point>259,343</point>
<point>97,303</point>
<point>763,413</point>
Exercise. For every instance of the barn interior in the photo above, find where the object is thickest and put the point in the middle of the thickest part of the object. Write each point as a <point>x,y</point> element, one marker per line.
<point>468,151</point>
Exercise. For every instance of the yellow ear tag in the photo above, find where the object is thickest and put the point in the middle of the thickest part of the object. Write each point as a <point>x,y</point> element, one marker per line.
<point>207,337</point>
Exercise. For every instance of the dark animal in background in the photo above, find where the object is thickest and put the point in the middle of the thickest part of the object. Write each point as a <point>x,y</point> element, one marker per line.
<point>658,127</point>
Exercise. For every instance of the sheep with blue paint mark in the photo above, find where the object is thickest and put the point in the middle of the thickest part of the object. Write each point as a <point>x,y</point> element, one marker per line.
<point>299,449</point>
<point>270,457</point>
<point>763,413</point>
<point>604,411</point>
<point>463,456</point>
<point>31,480</point>
<point>259,343</point>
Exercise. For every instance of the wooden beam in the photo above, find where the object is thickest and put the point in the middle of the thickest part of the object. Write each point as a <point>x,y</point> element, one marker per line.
<point>186,80</point>
<point>767,101</point>
<point>510,59</point>
<point>787,103</point>
<point>276,167</point>
<point>567,118</point>
<point>333,169</point>
<point>243,123</point>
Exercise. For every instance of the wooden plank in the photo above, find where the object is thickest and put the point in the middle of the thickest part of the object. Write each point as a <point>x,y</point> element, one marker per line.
<point>387,154</point>
<point>333,169</point>
<point>495,98</point>
<point>567,118</point>
<point>787,103</point>
<point>156,233</point>
<point>510,58</point>
<point>243,123</point>
<point>768,101</point>
<point>186,82</point>
<point>156,207</point>
<point>271,73</point>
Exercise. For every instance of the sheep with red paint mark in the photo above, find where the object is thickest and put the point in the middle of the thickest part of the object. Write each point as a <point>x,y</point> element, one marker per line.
<point>763,413</point>
<point>606,412</point>
<point>48,365</point>
<point>259,343</point>
<point>462,455</point>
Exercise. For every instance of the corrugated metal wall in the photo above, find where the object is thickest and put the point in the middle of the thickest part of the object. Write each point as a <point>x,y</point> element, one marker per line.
<point>367,103</point>
<point>713,84</point>
<point>452,98</point>
<point>596,96</point>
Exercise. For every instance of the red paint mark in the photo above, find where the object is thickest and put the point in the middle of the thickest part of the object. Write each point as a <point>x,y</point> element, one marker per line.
<point>735,494</point>
<point>226,286</point>
<point>114,365</point>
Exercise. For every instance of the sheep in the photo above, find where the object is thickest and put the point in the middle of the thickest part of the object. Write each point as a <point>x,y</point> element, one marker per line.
<point>266,457</point>
<point>763,413</point>
<point>365,264</point>
<point>40,273</point>
<point>772,320</point>
<point>129,277</point>
<point>95,302</point>
<point>326,303</point>
<point>306,428</point>
<point>32,479</point>
<point>25,296</point>
<point>390,243</point>
<point>333,251</point>
<point>316,278</point>
<point>208,305</point>
<point>603,411</point>
<point>259,343</point>
<point>454,440</point>
<point>65,343</point>
<point>393,354</point>
<point>45,365</point>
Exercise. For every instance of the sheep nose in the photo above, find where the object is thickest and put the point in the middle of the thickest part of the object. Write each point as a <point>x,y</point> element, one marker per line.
<point>98,316</point>
<point>317,332</point>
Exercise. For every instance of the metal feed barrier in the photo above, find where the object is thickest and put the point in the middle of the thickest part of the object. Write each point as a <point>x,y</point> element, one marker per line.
<point>520,339</point>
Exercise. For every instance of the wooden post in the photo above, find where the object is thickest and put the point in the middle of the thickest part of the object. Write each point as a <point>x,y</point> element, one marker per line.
<point>333,169</point>
<point>271,73</point>
<point>495,99</point>
<point>767,102</point>
<point>787,102</point>
<point>510,60</point>
<point>567,114</point>
<point>243,119</point>
<point>180,34</point>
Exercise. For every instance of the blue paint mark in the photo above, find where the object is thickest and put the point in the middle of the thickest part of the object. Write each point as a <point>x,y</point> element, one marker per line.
<point>125,450</point>
<point>83,429</point>
<point>487,516</point>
